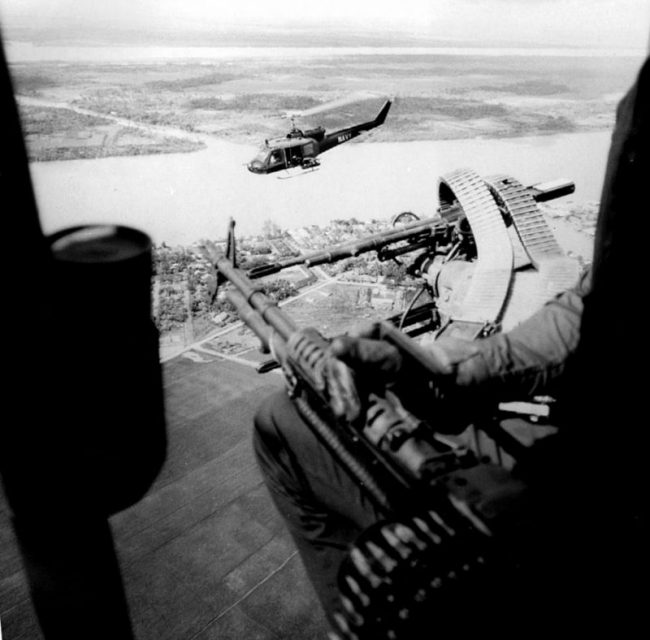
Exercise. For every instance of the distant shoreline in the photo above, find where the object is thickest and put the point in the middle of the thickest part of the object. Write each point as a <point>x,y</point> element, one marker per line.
<point>21,51</point>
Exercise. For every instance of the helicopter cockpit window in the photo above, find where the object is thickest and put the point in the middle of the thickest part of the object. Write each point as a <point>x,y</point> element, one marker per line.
<point>276,158</point>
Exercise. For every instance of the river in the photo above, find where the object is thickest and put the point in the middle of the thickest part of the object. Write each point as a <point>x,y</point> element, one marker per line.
<point>181,198</point>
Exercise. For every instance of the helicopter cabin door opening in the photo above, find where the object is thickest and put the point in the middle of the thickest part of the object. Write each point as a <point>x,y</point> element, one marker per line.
<point>294,155</point>
<point>310,149</point>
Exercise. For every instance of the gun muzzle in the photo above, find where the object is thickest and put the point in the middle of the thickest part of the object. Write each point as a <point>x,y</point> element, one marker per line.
<point>265,270</point>
<point>544,191</point>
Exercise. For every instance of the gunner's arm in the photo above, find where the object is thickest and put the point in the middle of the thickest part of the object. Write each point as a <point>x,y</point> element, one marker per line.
<point>526,361</point>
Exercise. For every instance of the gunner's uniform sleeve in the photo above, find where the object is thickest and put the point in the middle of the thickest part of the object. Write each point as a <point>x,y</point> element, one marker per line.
<point>525,361</point>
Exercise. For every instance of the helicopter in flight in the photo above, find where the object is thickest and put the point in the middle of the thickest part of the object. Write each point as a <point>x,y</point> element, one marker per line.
<point>300,148</point>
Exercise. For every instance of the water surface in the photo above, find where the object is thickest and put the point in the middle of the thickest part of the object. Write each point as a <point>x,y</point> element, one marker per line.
<point>180,198</point>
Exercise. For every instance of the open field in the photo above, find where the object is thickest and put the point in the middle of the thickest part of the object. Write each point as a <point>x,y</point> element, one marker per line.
<point>57,133</point>
<point>331,308</point>
<point>241,100</point>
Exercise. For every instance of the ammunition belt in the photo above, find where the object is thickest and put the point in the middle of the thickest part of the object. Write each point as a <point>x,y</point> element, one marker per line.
<point>413,577</point>
<point>487,293</point>
<point>536,236</point>
<point>399,575</point>
<point>557,272</point>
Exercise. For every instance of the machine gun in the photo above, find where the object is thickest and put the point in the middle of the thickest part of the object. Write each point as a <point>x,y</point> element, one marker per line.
<point>466,256</point>
<point>434,233</point>
<point>437,498</point>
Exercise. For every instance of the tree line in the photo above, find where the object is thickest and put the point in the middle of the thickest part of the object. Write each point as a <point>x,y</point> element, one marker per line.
<point>183,288</point>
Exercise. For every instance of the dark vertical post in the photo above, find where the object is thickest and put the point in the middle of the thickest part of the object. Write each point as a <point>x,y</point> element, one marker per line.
<point>83,432</point>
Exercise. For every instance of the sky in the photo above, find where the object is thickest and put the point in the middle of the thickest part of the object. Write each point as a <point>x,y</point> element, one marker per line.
<point>587,23</point>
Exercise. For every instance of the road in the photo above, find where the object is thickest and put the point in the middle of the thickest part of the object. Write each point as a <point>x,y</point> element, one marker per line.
<point>200,345</point>
<point>166,131</point>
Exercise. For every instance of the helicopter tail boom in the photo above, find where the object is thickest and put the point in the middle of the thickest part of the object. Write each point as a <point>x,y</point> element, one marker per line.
<point>343,135</point>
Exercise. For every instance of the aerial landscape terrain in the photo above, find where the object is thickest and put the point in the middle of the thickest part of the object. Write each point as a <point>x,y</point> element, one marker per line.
<point>75,110</point>
<point>88,110</point>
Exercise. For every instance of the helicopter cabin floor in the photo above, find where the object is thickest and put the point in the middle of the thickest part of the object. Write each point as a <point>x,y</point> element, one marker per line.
<point>204,554</point>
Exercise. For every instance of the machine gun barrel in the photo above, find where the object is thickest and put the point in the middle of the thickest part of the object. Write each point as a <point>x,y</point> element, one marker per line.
<point>545,191</point>
<point>418,234</point>
<point>255,308</point>
<point>420,230</point>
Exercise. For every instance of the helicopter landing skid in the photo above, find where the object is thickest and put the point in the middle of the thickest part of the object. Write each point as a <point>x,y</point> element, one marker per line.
<point>294,172</point>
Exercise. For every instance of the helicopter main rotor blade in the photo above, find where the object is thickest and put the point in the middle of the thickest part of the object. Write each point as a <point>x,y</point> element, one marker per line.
<point>333,104</point>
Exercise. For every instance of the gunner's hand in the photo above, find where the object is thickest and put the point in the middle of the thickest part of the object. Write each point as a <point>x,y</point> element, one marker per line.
<point>371,364</point>
<point>369,358</point>
<point>378,364</point>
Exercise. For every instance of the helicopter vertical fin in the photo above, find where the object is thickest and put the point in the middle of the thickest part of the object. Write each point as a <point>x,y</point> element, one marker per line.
<point>381,116</point>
